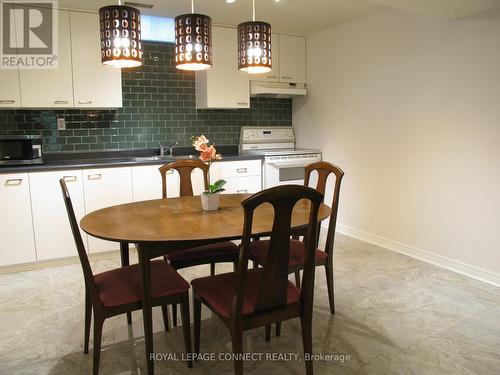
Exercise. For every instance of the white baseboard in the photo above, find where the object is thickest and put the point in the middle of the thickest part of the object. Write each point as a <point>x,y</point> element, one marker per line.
<point>423,255</point>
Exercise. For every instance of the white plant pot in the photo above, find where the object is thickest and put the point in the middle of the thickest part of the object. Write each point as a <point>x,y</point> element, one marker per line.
<point>210,202</point>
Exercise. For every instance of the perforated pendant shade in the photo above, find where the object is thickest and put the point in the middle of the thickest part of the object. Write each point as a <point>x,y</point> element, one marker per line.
<point>121,45</point>
<point>193,42</point>
<point>254,47</point>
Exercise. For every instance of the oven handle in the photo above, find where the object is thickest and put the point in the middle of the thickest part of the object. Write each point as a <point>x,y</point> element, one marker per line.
<point>292,164</point>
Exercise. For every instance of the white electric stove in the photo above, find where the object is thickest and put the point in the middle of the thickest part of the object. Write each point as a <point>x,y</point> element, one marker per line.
<point>283,163</point>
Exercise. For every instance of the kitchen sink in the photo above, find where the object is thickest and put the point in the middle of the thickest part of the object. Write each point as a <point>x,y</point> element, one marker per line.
<point>151,158</point>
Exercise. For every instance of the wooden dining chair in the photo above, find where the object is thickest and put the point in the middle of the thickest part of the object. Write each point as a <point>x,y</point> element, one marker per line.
<point>118,291</point>
<point>221,252</point>
<point>259,249</point>
<point>252,298</point>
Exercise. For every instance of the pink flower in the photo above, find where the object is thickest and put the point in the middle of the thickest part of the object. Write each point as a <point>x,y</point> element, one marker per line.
<point>208,153</point>
<point>200,143</point>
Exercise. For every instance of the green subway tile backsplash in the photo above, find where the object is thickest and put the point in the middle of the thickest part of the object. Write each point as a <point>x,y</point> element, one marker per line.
<point>159,106</point>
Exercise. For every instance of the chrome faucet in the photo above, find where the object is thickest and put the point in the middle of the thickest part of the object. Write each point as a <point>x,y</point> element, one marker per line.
<point>167,151</point>
<point>163,150</point>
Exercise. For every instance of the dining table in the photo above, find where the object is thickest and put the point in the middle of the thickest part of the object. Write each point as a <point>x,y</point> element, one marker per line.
<point>162,226</point>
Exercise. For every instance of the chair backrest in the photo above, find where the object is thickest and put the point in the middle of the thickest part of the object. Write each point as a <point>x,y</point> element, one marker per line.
<point>273,293</point>
<point>185,169</point>
<point>82,254</point>
<point>324,170</point>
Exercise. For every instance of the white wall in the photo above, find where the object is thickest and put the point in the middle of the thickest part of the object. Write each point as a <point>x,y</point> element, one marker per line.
<point>409,108</point>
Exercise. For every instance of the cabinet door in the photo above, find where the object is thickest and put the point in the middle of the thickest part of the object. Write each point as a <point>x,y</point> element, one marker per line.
<point>292,59</point>
<point>147,183</point>
<point>51,88</point>
<point>105,188</point>
<point>243,185</point>
<point>53,235</point>
<point>223,86</point>
<point>273,75</point>
<point>94,85</point>
<point>16,226</point>
<point>10,91</point>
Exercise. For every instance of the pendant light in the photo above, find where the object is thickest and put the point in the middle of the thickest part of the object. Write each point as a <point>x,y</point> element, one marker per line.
<point>254,46</point>
<point>193,41</point>
<point>121,45</point>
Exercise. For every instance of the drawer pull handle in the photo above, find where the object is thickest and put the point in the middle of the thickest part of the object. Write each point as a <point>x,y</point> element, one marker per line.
<point>61,102</point>
<point>14,182</point>
<point>242,191</point>
<point>242,103</point>
<point>286,77</point>
<point>94,176</point>
<point>69,178</point>
<point>242,170</point>
<point>85,102</point>
<point>8,101</point>
<point>272,77</point>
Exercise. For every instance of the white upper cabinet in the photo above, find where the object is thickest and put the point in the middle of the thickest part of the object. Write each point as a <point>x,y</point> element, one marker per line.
<point>10,92</point>
<point>273,75</point>
<point>292,59</point>
<point>51,88</point>
<point>94,85</point>
<point>223,86</point>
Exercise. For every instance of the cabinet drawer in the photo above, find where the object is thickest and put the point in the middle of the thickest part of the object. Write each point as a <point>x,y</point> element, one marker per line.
<point>243,185</point>
<point>230,169</point>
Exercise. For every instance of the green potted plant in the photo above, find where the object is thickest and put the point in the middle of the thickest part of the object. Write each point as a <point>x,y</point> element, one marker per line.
<point>209,198</point>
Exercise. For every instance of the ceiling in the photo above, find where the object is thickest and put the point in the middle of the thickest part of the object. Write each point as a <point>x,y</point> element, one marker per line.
<point>298,16</point>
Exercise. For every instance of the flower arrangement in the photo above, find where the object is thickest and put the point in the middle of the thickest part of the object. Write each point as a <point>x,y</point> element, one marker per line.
<point>208,153</point>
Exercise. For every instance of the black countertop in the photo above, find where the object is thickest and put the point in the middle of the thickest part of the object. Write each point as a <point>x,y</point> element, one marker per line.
<point>126,158</point>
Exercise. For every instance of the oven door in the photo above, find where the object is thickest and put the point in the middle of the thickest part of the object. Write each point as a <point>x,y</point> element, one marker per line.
<point>289,172</point>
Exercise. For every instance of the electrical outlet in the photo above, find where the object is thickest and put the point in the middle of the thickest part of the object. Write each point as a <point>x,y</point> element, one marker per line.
<point>61,123</point>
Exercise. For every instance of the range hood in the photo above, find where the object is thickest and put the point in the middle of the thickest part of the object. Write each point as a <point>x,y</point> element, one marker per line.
<point>277,89</point>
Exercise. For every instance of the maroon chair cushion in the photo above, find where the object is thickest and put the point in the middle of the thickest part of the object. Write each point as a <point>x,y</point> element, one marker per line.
<point>259,249</point>
<point>219,290</point>
<point>123,285</point>
<point>206,251</point>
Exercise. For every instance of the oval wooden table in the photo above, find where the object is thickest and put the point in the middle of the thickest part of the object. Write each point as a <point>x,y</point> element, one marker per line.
<point>163,226</point>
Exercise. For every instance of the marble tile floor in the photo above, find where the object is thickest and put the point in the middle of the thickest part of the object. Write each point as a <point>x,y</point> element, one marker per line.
<point>395,315</point>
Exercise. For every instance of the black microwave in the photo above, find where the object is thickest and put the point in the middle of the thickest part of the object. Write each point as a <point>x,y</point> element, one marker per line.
<point>20,149</point>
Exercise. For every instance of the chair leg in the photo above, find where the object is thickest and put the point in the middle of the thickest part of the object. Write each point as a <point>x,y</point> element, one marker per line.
<point>268,333</point>
<point>278,329</point>
<point>212,269</point>
<point>297,279</point>
<point>174,314</point>
<point>164,312</point>
<point>306,325</point>
<point>97,343</point>
<point>88,319</point>
<point>197,322</point>
<point>329,284</point>
<point>235,266</point>
<point>186,328</point>
<point>237,338</point>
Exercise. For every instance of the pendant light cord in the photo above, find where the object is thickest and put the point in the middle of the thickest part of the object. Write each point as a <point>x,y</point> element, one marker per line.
<point>120,2</point>
<point>253,9</point>
<point>192,6</point>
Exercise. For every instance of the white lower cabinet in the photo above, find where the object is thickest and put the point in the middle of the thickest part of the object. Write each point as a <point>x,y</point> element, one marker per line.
<point>103,188</point>
<point>147,183</point>
<point>243,185</point>
<point>241,176</point>
<point>53,235</point>
<point>16,225</point>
